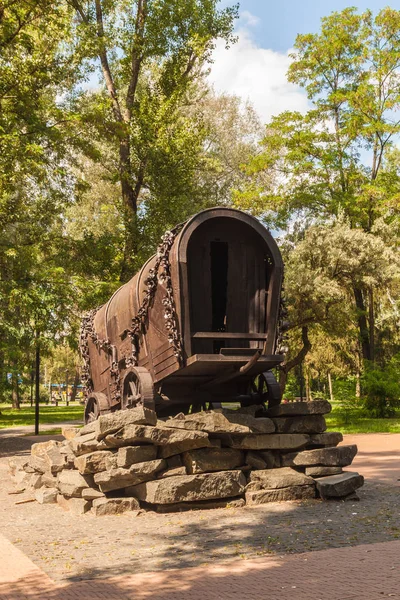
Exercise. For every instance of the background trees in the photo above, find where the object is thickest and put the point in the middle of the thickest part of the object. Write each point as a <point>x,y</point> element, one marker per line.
<point>338,163</point>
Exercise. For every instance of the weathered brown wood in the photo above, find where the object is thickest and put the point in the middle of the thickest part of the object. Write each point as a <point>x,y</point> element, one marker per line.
<point>226,276</point>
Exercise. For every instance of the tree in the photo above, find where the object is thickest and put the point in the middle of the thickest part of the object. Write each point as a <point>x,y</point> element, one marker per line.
<point>336,159</point>
<point>322,270</point>
<point>151,55</point>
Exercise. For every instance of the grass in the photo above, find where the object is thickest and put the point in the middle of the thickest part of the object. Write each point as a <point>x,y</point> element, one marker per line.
<point>11,417</point>
<point>354,421</point>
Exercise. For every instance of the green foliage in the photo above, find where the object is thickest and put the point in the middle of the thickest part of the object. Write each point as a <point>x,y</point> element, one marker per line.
<point>381,386</point>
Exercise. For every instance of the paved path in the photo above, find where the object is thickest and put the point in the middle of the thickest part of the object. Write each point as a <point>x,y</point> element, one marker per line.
<point>368,572</point>
<point>363,572</point>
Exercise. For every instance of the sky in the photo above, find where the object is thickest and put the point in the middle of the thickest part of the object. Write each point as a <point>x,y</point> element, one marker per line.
<point>255,67</point>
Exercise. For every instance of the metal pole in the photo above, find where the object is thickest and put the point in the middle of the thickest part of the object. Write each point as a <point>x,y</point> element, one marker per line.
<point>66,387</point>
<point>37,391</point>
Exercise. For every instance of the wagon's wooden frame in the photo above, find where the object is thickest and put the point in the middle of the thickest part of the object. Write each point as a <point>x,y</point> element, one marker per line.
<point>196,378</point>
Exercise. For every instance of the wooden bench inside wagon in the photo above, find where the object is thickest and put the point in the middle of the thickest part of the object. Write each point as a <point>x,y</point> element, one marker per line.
<point>200,324</point>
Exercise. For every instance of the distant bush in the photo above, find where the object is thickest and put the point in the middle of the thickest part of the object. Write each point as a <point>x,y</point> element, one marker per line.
<point>381,388</point>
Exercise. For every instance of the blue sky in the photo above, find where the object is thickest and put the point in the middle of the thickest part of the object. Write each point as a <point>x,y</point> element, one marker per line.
<point>281,20</point>
<point>255,68</point>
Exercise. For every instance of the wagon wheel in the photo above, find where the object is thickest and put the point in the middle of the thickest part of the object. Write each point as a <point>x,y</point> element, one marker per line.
<point>138,389</point>
<point>267,388</point>
<point>95,405</point>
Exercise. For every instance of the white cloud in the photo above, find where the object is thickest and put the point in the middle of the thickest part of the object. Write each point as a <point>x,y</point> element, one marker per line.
<point>249,19</point>
<point>256,74</point>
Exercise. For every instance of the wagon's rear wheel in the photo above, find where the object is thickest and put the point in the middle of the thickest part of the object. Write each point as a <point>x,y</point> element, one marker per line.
<point>95,405</point>
<point>138,389</point>
<point>267,388</point>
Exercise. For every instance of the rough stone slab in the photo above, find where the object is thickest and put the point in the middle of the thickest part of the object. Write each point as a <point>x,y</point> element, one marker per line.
<point>219,421</point>
<point>301,492</point>
<point>69,432</point>
<point>280,478</point>
<point>71,483</point>
<point>340,456</point>
<point>46,495</point>
<point>39,464</point>
<point>255,460</point>
<point>192,488</point>
<point>21,478</point>
<point>107,424</point>
<point>338,486</point>
<point>291,409</point>
<point>181,440</point>
<point>36,481</point>
<point>272,441</point>
<point>323,471</point>
<point>304,424</point>
<point>94,462</point>
<point>55,460</point>
<point>114,506</point>
<point>83,444</point>
<point>326,440</point>
<point>41,448</point>
<point>112,461</point>
<point>49,480</point>
<point>205,505</point>
<point>129,455</point>
<point>88,428</point>
<point>92,494</point>
<point>212,459</point>
<point>172,472</point>
<point>118,478</point>
<point>78,506</point>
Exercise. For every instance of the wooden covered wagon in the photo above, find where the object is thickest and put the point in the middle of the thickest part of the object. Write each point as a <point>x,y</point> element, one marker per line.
<point>196,326</point>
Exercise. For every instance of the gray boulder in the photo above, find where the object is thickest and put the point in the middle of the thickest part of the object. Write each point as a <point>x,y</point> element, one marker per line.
<point>114,506</point>
<point>181,440</point>
<point>46,495</point>
<point>71,483</point>
<point>325,440</point>
<point>292,409</point>
<point>273,441</point>
<point>94,462</point>
<point>304,424</point>
<point>280,478</point>
<point>129,455</point>
<point>300,492</point>
<point>107,424</point>
<point>218,421</point>
<point>116,479</point>
<point>340,456</point>
<point>323,471</point>
<point>337,486</point>
<point>192,488</point>
<point>212,459</point>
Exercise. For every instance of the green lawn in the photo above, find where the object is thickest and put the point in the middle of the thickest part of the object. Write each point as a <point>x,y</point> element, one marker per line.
<point>10,417</point>
<point>354,422</point>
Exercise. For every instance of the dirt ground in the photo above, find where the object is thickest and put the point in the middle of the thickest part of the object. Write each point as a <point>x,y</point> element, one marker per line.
<point>72,548</point>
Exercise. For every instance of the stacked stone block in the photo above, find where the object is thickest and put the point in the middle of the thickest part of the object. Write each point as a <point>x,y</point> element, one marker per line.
<point>129,460</point>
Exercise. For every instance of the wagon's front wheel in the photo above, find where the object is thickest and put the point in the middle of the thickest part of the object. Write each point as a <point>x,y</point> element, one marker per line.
<point>268,389</point>
<point>138,389</point>
<point>95,405</point>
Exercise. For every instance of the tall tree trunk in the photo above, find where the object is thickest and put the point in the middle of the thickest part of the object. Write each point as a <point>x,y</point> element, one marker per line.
<point>362,323</point>
<point>371,322</point>
<point>330,387</point>
<point>75,386</point>
<point>15,391</point>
